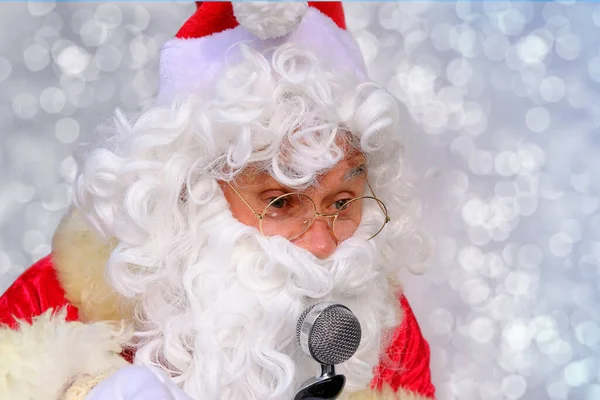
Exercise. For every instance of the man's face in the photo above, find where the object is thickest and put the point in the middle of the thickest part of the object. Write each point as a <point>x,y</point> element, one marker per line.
<point>347,180</point>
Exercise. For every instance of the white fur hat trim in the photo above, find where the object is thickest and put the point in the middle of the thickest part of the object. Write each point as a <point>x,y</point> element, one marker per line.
<point>267,19</point>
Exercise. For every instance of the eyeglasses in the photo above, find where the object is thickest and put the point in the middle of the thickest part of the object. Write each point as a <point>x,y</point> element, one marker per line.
<point>292,215</point>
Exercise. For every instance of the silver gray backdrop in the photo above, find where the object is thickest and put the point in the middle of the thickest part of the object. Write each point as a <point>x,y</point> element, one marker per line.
<point>503,109</point>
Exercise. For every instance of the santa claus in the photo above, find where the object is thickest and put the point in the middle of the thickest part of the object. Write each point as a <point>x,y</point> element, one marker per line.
<point>268,176</point>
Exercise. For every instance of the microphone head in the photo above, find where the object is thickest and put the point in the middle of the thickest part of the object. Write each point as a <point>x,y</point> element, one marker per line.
<point>328,332</point>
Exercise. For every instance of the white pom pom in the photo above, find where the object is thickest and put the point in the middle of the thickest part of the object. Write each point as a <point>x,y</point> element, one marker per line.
<point>267,19</point>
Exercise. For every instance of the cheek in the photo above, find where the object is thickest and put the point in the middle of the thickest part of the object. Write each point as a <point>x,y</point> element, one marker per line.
<point>243,214</point>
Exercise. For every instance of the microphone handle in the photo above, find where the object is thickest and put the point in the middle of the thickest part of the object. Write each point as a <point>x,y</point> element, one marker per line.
<point>327,386</point>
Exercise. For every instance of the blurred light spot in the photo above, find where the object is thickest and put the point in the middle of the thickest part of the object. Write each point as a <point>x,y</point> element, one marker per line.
<point>465,11</point>
<point>558,25</point>
<point>580,372</point>
<point>506,188</point>
<point>25,105</point>
<point>532,157</point>
<point>588,333</point>
<point>518,335</point>
<point>494,265</point>
<point>462,145</point>
<point>506,163</point>
<point>4,263</point>
<point>474,291</point>
<point>32,239</point>
<point>514,386</point>
<point>537,119</point>
<point>441,321</point>
<point>580,182</point>
<point>459,72</point>
<point>584,296</point>
<point>518,283</point>
<point>592,391</point>
<point>572,228</point>
<point>544,328</point>
<point>470,258</point>
<point>5,68</point>
<point>475,212</point>
<point>440,36</point>
<point>80,18</point>
<point>552,89</point>
<point>479,235</point>
<point>68,169</point>
<point>73,60</point>
<point>511,22</point>
<point>500,78</point>
<point>589,266</point>
<point>596,19</point>
<point>558,390</point>
<point>104,90</point>
<point>561,319</point>
<point>109,15</point>
<point>93,33</point>
<point>67,130</point>
<point>22,193</point>
<point>37,9</point>
<point>141,17</point>
<point>36,57</point>
<point>560,244</point>
<point>594,68</point>
<point>481,162</point>
<point>530,256</point>
<point>490,391</point>
<point>60,196</point>
<point>451,97</point>
<point>482,329</point>
<point>503,307</point>
<point>550,187</point>
<point>568,46</point>
<point>532,49</point>
<point>495,47</point>
<point>52,100</point>
<point>435,116</point>
<point>466,42</point>
<point>108,58</point>
<point>559,352</point>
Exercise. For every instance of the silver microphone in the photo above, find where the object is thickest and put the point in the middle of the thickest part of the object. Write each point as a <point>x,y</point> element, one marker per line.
<point>330,334</point>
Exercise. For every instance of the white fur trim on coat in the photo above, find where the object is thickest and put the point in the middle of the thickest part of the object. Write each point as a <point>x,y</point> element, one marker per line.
<point>39,361</point>
<point>386,394</point>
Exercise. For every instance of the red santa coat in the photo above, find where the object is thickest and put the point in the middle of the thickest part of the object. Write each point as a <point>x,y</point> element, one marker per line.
<point>71,279</point>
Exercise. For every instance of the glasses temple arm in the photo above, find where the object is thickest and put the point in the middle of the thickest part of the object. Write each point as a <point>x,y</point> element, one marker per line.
<point>380,203</point>
<point>245,202</point>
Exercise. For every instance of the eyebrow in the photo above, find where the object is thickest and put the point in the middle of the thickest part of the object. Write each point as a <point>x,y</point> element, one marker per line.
<point>355,172</point>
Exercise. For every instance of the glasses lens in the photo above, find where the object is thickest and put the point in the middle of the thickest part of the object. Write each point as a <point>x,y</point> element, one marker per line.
<point>288,216</point>
<point>366,212</point>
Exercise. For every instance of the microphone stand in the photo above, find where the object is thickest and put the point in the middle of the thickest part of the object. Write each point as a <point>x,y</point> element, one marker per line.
<point>326,385</point>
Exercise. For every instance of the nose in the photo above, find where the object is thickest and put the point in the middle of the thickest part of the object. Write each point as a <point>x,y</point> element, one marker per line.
<point>319,239</point>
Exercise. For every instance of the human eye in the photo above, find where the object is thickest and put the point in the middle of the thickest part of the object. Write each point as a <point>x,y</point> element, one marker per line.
<point>339,204</point>
<point>277,202</point>
<point>274,198</point>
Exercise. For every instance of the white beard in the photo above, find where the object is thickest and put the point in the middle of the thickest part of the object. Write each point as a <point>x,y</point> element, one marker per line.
<point>223,322</point>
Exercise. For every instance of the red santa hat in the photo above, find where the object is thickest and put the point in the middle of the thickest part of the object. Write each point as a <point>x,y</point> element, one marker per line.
<point>208,40</point>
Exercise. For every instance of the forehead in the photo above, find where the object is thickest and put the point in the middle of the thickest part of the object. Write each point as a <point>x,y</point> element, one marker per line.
<point>253,176</point>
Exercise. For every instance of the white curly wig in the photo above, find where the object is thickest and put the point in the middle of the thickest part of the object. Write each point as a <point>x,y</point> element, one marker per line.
<point>152,186</point>
<point>282,113</point>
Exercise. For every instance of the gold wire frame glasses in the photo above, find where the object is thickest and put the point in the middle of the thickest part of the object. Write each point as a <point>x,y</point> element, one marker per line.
<point>292,215</point>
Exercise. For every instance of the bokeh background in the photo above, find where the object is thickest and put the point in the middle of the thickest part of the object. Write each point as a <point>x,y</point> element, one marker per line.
<point>503,109</point>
